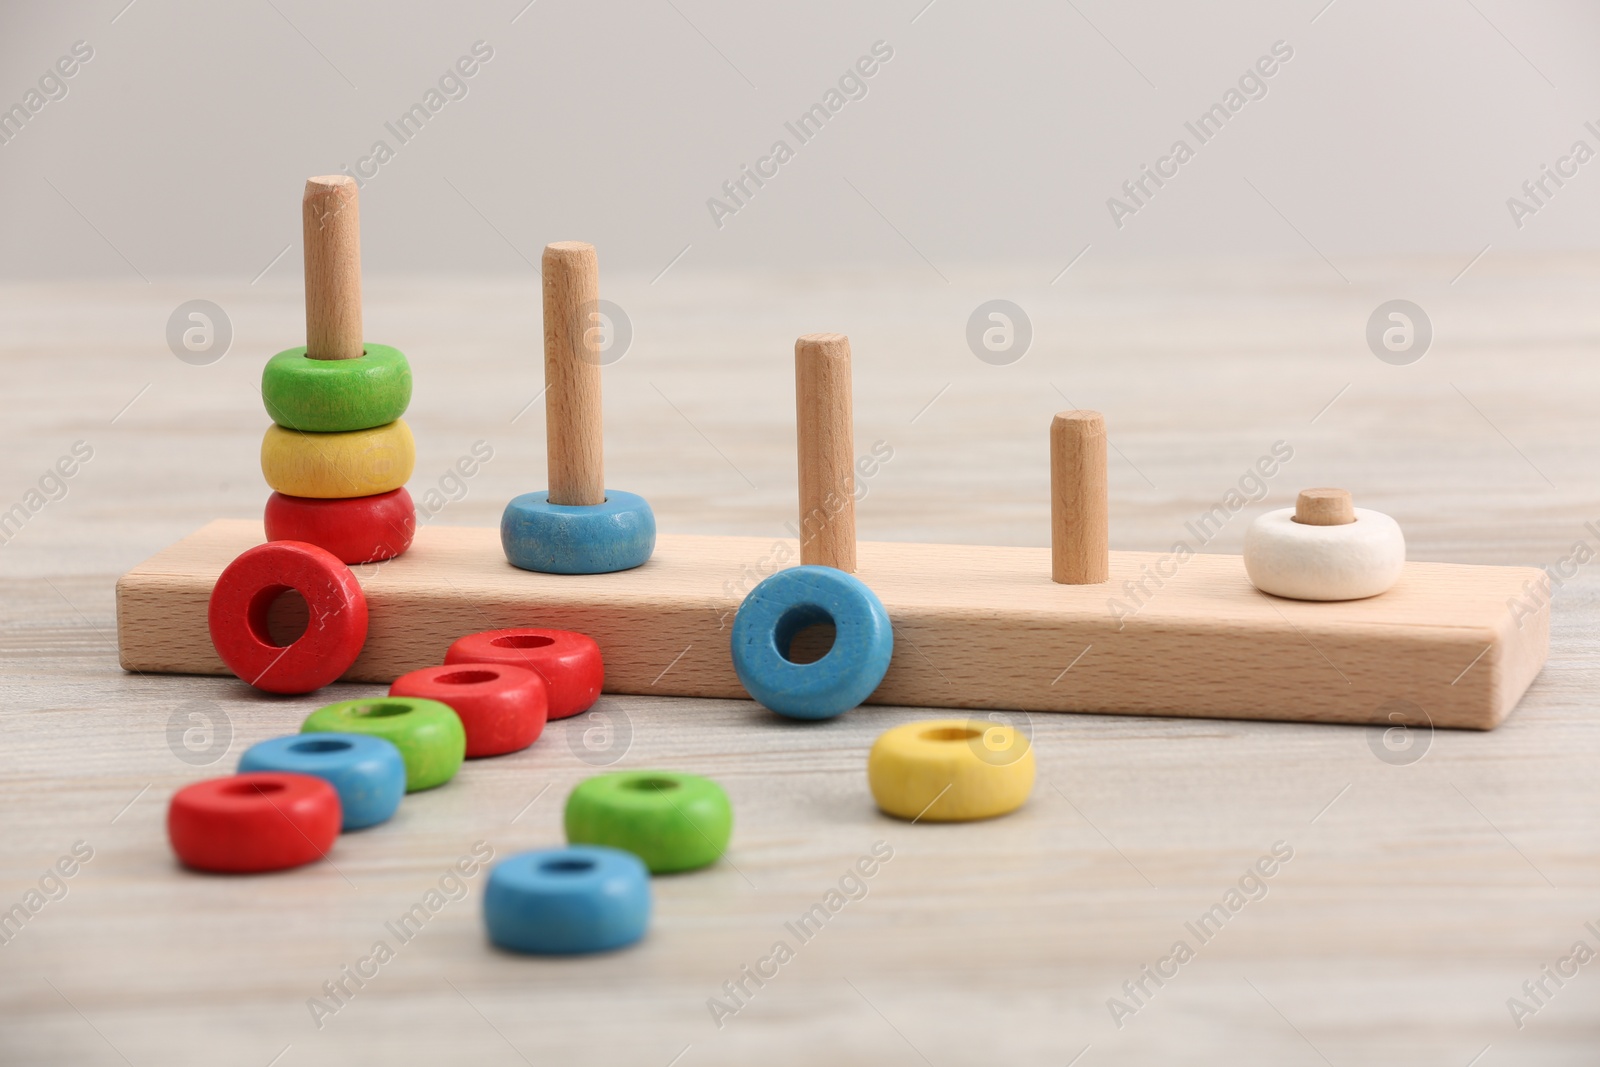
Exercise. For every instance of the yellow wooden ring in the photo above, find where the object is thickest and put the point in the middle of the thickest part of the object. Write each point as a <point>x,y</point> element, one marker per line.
<point>338,465</point>
<point>950,770</point>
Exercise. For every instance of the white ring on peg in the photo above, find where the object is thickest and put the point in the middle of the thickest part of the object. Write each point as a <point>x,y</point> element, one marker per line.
<point>1301,560</point>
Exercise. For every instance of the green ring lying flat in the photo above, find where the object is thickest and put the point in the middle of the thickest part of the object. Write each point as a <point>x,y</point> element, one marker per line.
<point>428,734</point>
<point>336,395</point>
<point>674,822</point>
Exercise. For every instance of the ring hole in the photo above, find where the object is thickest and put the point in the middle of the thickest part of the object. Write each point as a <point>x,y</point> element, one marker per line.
<point>321,746</point>
<point>279,616</point>
<point>651,785</point>
<point>522,641</point>
<point>380,710</point>
<point>951,733</point>
<point>477,677</point>
<point>805,634</point>
<point>253,789</point>
<point>566,866</point>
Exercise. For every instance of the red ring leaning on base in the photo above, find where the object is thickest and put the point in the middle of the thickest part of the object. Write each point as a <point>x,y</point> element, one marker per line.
<point>264,821</point>
<point>569,662</point>
<point>502,708</point>
<point>244,593</point>
<point>358,529</point>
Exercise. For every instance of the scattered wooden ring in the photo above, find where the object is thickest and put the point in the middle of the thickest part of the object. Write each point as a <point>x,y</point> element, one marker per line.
<point>502,708</point>
<point>778,609</point>
<point>244,594</point>
<point>427,733</point>
<point>950,770</point>
<point>367,772</point>
<point>616,535</point>
<point>671,821</point>
<point>253,822</point>
<point>1344,561</point>
<point>361,529</point>
<point>328,465</point>
<point>569,662</point>
<point>336,395</point>
<point>566,901</point>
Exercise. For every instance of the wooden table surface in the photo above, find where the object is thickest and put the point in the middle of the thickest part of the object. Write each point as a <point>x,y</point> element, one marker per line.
<point>1426,883</point>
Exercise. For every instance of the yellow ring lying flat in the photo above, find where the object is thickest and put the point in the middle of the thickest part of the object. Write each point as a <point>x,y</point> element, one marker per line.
<point>950,770</point>
<point>337,465</point>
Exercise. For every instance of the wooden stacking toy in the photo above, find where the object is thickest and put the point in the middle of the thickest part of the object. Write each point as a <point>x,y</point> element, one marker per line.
<point>367,772</point>
<point>428,734</point>
<point>671,821</point>
<point>951,770</point>
<point>255,822</point>
<point>1324,548</point>
<point>577,526</point>
<point>569,663</point>
<point>502,708</point>
<point>338,454</point>
<point>567,901</point>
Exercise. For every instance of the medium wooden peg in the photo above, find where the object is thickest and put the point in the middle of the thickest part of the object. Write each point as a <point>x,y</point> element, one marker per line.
<point>331,219</point>
<point>573,426</point>
<point>1078,511</point>
<point>1324,507</point>
<point>827,450</point>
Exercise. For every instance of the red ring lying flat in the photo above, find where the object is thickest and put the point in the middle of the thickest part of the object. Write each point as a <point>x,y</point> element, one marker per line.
<point>502,708</point>
<point>358,529</point>
<point>262,821</point>
<point>238,617</point>
<point>569,662</point>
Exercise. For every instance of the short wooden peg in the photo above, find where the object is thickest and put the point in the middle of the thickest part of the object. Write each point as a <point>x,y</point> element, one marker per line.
<point>573,426</point>
<point>331,219</point>
<point>1324,507</point>
<point>1078,512</point>
<point>827,450</point>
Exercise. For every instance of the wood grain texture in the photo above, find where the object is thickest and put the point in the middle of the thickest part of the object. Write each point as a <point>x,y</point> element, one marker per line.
<point>990,631</point>
<point>330,215</point>
<point>1324,507</point>
<point>573,421</point>
<point>1079,512</point>
<point>825,443</point>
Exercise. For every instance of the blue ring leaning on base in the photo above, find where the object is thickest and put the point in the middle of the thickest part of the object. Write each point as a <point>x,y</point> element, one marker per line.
<point>589,539</point>
<point>779,608</point>
<point>565,901</point>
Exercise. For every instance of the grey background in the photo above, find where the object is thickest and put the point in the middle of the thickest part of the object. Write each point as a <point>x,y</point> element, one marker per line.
<point>995,134</point>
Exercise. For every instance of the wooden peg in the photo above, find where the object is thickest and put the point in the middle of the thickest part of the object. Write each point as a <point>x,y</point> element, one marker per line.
<point>827,450</point>
<point>331,219</point>
<point>572,374</point>
<point>1324,507</point>
<point>1078,512</point>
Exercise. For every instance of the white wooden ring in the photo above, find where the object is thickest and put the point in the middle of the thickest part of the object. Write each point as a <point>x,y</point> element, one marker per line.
<point>1304,562</point>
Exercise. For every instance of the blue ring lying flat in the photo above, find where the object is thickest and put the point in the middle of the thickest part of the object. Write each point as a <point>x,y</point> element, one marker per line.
<point>564,901</point>
<point>593,539</point>
<point>367,772</point>
<point>788,602</point>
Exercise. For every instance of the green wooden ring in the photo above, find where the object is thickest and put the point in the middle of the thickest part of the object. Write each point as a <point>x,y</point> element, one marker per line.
<point>673,822</point>
<point>336,395</point>
<point>427,733</point>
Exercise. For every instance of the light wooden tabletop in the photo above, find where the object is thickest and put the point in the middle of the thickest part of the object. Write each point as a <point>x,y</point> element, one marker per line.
<point>1429,876</point>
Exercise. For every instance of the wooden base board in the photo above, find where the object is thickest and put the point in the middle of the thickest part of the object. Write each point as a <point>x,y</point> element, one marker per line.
<point>975,627</point>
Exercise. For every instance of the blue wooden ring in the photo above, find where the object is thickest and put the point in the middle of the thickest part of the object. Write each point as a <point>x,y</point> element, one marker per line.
<point>367,772</point>
<point>593,539</point>
<point>564,901</point>
<point>788,602</point>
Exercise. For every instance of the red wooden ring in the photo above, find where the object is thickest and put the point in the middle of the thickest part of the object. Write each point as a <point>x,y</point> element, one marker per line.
<point>570,662</point>
<point>502,708</point>
<point>358,529</point>
<point>263,821</point>
<point>238,617</point>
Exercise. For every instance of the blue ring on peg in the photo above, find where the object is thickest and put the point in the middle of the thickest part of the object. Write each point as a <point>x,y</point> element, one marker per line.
<point>367,772</point>
<point>566,901</point>
<point>617,535</point>
<point>777,610</point>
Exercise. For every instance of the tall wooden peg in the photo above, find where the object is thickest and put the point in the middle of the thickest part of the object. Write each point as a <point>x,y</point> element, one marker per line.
<point>1079,554</point>
<point>572,374</point>
<point>331,220</point>
<point>827,450</point>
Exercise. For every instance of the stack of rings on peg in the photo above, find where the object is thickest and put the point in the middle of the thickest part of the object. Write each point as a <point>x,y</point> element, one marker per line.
<point>577,525</point>
<point>1324,548</point>
<point>787,616</point>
